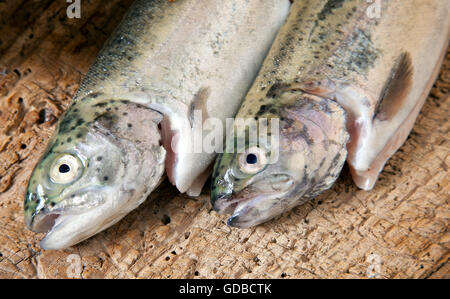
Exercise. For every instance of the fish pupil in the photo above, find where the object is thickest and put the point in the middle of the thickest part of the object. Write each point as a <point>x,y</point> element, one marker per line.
<point>64,168</point>
<point>252,159</point>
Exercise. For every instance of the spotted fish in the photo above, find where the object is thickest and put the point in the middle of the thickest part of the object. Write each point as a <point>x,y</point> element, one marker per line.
<point>345,79</point>
<point>132,117</point>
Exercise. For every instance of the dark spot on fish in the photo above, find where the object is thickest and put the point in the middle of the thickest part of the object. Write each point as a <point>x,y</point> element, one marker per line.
<point>361,54</point>
<point>276,90</point>
<point>79,135</point>
<point>262,109</point>
<point>69,139</point>
<point>329,7</point>
<point>105,178</point>
<point>130,125</point>
<point>99,158</point>
<point>100,105</point>
<point>23,146</point>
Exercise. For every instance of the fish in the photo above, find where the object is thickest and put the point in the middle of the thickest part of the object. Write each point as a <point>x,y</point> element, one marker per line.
<point>132,120</point>
<point>343,82</point>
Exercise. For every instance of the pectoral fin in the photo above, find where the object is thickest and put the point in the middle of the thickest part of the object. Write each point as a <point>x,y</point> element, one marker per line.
<point>396,88</point>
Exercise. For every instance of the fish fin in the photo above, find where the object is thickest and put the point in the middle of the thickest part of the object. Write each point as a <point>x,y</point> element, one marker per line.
<point>374,142</point>
<point>200,103</point>
<point>396,89</point>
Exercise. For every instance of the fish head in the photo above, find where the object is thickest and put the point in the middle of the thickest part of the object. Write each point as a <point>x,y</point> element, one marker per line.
<point>264,179</point>
<point>100,165</point>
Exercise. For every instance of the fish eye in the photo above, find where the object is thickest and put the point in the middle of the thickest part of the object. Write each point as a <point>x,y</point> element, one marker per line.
<point>65,169</point>
<point>252,160</point>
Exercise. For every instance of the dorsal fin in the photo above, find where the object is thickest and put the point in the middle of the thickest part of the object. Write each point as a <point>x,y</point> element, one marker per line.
<point>396,88</point>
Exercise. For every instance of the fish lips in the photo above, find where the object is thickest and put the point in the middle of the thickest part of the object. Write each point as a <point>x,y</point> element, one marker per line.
<point>246,211</point>
<point>42,219</point>
<point>251,206</point>
<point>38,220</point>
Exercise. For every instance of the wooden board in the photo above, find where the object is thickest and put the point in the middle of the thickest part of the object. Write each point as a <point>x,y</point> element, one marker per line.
<point>398,230</point>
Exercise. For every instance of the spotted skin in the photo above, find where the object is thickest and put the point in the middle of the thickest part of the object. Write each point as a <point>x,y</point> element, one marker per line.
<point>165,59</point>
<point>345,84</point>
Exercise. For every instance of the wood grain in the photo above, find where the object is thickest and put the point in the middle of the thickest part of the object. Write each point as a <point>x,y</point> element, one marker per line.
<point>398,230</point>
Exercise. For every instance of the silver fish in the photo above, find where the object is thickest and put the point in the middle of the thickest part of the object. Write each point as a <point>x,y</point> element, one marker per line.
<point>346,79</point>
<point>131,118</point>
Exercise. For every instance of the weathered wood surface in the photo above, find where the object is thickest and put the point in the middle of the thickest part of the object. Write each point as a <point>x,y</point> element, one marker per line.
<point>398,230</point>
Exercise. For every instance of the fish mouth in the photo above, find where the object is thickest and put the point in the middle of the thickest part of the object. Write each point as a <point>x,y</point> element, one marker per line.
<point>229,204</point>
<point>253,205</point>
<point>43,223</point>
<point>64,228</point>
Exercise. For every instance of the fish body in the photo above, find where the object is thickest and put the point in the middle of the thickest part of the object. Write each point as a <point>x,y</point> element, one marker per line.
<point>131,119</point>
<point>346,79</point>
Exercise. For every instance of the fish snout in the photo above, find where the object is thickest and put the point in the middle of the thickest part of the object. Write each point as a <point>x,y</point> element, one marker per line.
<point>38,218</point>
<point>221,203</point>
<point>224,199</point>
